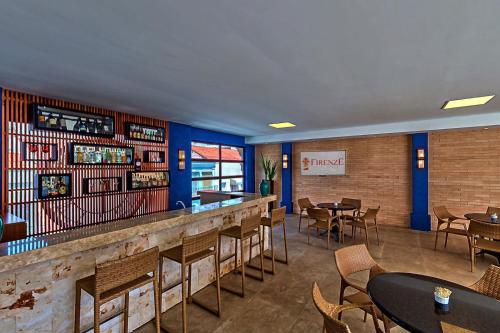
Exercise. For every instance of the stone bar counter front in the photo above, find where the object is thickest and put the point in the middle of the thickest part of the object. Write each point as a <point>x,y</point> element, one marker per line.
<point>38,274</point>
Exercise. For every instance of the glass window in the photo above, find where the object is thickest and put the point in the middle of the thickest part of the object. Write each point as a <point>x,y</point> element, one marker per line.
<point>216,167</point>
<point>231,153</point>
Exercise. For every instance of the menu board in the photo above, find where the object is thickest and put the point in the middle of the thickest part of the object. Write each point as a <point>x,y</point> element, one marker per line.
<point>100,154</point>
<point>54,185</point>
<point>137,180</point>
<point>144,132</point>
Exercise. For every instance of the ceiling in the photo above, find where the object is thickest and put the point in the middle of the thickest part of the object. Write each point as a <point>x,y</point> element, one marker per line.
<point>237,65</point>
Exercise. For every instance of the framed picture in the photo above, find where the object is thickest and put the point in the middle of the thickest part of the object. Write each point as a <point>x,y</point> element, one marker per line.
<point>94,154</point>
<point>56,185</point>
<point>102,185</point>
<point>51,118</point>
<point>35,151</point>
<point>139,180</point>
<point>154,156</point>
<point>148,133</point>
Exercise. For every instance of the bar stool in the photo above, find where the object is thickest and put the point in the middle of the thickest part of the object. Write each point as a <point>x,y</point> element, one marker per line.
<point>193,249</point>
<point>117,278</point>
<point>249,228</point>
<point>277,219</point>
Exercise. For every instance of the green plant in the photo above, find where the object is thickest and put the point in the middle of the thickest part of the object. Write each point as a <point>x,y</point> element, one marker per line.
<point>269,167</point>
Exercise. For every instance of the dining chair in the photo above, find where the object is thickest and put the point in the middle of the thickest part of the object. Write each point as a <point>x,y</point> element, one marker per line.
<point>445,217</point>
<point>493,210</point>
<point>304,204</point>
<point>322,221</point>
<point>483,236</point>
<point>356,203</point>
<point>366,222</point>
<point>489,283</point>
<point>353,259</point>
<point>329,311</point>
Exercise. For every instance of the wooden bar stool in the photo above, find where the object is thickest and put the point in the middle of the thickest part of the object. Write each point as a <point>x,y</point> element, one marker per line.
<point>193,249</point>
<point>249,228</point>
<point>277,219</point>
<point>117,278</point>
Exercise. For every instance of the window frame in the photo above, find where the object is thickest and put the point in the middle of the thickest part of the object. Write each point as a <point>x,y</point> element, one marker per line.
<point>220,177</point>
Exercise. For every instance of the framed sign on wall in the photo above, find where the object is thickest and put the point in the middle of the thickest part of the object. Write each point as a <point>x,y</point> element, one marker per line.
<point>323,163</point>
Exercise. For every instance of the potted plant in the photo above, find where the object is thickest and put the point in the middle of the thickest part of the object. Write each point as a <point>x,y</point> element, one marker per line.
<point>267,184</point>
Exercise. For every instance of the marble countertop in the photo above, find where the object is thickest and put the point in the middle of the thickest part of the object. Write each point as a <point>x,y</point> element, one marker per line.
<point>40,248</point>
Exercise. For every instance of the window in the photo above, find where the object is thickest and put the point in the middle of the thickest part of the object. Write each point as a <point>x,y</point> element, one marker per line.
<point>216,168</point>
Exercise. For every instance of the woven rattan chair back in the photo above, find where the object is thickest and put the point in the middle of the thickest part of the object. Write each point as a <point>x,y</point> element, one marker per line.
<point>371,213</point>
<point>352,259</point>
<point>278,215</point>
<point>250,223</point>
<point>305,203</point>
<point>481,229</point>
<point>493,210</point>
<point>356,203</point>
<point>115,273</point>
<point>328,311</point>
<point>489,284</point>
<point>318,214</point>
<point>442,213</point>
<point>195,244</point>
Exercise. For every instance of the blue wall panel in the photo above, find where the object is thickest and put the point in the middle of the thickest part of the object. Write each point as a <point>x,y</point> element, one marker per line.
<point>420,219</point>
<point>180,137</point>
<point>286,179</point>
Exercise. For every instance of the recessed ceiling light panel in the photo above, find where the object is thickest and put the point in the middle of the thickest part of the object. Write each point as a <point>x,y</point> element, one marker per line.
<point>285,124</point>
<point>461,103</point>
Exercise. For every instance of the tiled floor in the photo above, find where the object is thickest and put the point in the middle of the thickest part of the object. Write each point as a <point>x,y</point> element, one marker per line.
<point>282,303</point>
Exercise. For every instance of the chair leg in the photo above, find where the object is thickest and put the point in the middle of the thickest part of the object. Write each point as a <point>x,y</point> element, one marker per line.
<point>300,219</point>
<point>251,246</point>
<point>219,250</point>
<point>366,237</point>
<point>472,259</point>
<point>157,296</point>
<point>184,300</point>
<point>376,231</point>
<point>125,313</point>
<point>97,316</point>
<point>343,286</point>
<point>160,280</point>
<point>235,256</point>
<point>286,247</point>
<point>436,240</point>
<point>77,308</point>
<point>242,269</point>
<point>308,235</point>
<point>189,298</point>
<point>446,240</point>
<point>364,318</point>
<point>217,284</point>
<point>261,255</point>
<point>273,264</point>
<point>328,239</point>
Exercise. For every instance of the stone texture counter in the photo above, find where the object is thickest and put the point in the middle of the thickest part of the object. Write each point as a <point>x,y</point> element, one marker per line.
<point>38,274</point>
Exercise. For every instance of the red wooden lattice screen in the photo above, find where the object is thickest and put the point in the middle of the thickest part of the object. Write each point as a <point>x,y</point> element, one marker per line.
<point>51,215</point>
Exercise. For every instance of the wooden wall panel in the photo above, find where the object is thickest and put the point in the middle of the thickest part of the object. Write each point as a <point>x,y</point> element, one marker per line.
<point>51,215</point>
<point>273,152</point>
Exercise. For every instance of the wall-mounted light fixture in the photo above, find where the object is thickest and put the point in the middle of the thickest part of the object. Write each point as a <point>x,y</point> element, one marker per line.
<point>285,161</point>
<point>420,158</point>
<point>181,155</point>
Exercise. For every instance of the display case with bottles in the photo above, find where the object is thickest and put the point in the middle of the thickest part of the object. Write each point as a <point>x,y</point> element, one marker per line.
<point>102,185</point>
<point>93,154</point>
<point>148,133</point>
<point>139,180</point>
<point>72,121</point>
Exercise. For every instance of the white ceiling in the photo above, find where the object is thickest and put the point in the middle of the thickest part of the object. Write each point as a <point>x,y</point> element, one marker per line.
<point>237,65</point>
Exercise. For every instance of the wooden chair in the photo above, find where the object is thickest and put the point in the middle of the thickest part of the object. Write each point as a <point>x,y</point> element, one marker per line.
<point>366,222</point>
<point>304,204</point>
<point>117,278</point>
<point>356,212</point>
<point>329,311</point>
<point>323,221</point>
<point>489,284</point>
<point>483,236</point>
<point>277,219</point>
<point>250,227</point>
<point>493,210</point>
<point>193,249</point>
<point>354,259</point>
<point>445,217</point>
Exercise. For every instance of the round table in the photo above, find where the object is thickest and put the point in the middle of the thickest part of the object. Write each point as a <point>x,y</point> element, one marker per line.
<point>481,217</point>
<point>408,300</point>
<point>335,207</point>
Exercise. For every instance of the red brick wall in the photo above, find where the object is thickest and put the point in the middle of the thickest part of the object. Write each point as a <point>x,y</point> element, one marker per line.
<point>464,170</point>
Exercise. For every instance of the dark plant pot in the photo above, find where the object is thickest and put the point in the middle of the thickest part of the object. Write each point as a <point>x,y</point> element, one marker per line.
<point>271,186</point>
<point>1,228</point>
<point>264,187</point>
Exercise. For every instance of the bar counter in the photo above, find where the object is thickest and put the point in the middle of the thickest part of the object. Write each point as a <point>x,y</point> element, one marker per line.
<point>38,274</point>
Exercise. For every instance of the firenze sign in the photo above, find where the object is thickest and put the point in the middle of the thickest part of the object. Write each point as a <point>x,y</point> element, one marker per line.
<point>322,163</point>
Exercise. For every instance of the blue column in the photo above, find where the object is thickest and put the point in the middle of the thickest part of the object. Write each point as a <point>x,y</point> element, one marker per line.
<point>179,137</point>
<point>286,178</point>
<point>1,151</point>
<point>420,219</point>
<point>250,168</point>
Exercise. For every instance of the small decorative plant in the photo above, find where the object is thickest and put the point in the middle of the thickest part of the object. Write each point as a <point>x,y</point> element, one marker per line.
<point>269,167</point>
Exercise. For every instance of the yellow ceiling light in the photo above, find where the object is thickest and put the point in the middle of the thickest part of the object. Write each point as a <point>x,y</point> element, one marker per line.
<point>285,124</point>
<point>461,103</point>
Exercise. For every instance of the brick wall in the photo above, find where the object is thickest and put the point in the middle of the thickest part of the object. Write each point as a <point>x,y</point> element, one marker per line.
<point>464,171</point>
<point>273,152</point>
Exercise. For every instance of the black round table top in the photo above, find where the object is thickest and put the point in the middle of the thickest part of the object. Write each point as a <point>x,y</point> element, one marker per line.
<point>408,300</point>
<point>481,217</point>
<point>335,206</point>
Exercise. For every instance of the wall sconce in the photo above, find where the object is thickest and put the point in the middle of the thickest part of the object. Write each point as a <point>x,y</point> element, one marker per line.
<point>420,158</point>
<point>181,154</point>
<point>285,161</point>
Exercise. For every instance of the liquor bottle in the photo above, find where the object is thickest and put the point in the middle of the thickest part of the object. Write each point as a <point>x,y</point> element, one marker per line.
<point>91,126</point>
<point>79,155</point>
<point>52,121</point>
<point>77,125</point>
<point>99,126</point>
<point>113,156</point>
<point>92,157</point>
<point>124,157</point>
<point>61,122</point>
<point>98,156</point>
<point>104,156</point>
<point>41,120</point>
